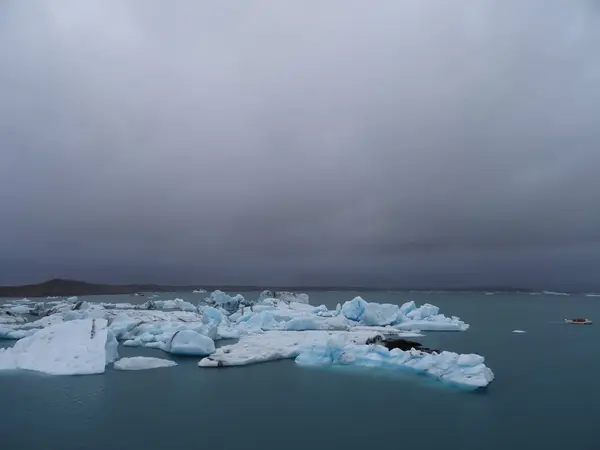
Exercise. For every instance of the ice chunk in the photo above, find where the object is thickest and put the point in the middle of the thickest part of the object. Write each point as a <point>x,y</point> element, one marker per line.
<point>436,323</point>
<point>8,318</point>
<point>354,309</point>
<point>274,345</point>
<point>8,332</point>
<point>189,342</point>
<point>225,301</point>
<point>71,348</point>
<point>380,314</point>
<point>178,303</point>
<point>21,309</point>
<point>519,331</point>
<point>303,324</point>
<point>407,307</point>
<point>466,371</point>
<point>142,363</point>
<point>112,347</point>
<point>423,312</point>
<point>292,297</point>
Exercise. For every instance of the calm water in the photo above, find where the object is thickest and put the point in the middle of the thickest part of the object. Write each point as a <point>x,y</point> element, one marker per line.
<point>545,394</point>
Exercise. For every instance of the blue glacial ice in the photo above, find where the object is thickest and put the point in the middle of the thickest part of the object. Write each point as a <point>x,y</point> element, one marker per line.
<point>405,317</point>
<point>190,343</point>
<point>466,371</point>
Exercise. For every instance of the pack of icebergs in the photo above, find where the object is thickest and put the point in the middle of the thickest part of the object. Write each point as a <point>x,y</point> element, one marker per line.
<point>79,337</point>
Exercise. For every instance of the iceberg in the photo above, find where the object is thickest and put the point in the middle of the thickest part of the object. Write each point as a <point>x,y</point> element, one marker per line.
<point>178,303</point>
<point>289,297</point>
<point>354,309</point>
<point>191,343</point>
<point>142,363</point>
<point>380,314</point>
<point>465,371</point>
<point>275,345</point>
<point>78,347</point>
<point>225,301</point>
<point>405,317</point>
<point>20,309</point>
<point>9,318</point>
<point>519,331</point>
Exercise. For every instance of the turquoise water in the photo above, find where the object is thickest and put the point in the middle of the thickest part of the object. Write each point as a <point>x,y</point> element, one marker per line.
<point>544,395</point>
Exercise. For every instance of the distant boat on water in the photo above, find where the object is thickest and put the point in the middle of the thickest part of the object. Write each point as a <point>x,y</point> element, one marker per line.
<point>579,321</point>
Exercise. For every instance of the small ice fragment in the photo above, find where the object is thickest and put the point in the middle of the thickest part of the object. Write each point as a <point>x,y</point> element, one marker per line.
<point>143,363</point>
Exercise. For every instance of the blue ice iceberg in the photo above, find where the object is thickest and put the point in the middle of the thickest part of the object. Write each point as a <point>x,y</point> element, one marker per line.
<point>190,343</point>
<point>405,317</point>
<point>465,371</point>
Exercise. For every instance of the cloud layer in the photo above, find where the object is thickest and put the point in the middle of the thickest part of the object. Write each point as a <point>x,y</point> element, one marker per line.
<point>399,143</point>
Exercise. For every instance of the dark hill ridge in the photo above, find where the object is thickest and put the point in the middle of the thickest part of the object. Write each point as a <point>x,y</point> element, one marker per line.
<point>60,287</point>
<point>65,288</point>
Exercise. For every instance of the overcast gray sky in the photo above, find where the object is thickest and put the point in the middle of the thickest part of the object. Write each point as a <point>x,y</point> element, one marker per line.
<point>408,143</point>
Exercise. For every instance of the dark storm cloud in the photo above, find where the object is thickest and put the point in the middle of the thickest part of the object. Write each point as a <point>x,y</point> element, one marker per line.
<point>332,142</point>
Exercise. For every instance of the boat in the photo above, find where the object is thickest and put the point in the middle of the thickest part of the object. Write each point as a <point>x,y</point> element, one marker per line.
<point>579,321</point>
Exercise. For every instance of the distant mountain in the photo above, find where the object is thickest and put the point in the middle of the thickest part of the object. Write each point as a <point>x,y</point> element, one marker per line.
<point>62,287</point>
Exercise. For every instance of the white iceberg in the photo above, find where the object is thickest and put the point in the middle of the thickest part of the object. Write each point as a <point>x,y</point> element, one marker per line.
<point>519,331</point>
<point>275,345</point>
<point>177,303</point>
<point>191,343</point>
<point>79,347</point>
<point>466,371</point>
<point>142,363</point>
<point>7,318</point>
<point>20,309</point>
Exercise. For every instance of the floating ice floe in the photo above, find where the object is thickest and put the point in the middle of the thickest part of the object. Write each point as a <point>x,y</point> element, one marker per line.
<point>142,363</point>
<point>466,371</point>
<point>284,296</point>
<point>275,345</point>
<point>80,347</point>
<point>519,331</point>
<point>20,309</point>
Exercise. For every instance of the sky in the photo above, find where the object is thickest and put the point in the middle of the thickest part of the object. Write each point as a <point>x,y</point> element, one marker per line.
<point>393,144</point>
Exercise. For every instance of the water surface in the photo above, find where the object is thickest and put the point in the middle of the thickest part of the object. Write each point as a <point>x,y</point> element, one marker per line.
<point>544,395</point>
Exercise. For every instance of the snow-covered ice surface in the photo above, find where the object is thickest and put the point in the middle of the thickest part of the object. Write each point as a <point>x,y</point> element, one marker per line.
<point>275,345</point>
<point>79,347</point>
<point>142,363</point>
<point>276,325</point>
<point>465,371</point>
